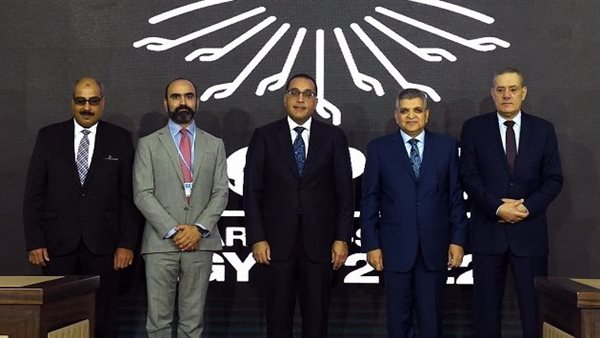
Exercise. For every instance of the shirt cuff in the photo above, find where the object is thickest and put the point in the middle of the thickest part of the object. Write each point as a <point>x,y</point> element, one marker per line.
<point>204,232</point>
<point>170,234</point>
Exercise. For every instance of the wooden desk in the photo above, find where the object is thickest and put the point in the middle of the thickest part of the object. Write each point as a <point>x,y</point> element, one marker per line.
<point>569,307</point>
<point>44,306</point>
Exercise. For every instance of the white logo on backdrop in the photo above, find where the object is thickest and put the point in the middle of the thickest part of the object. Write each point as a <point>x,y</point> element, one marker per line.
<point>326,109</point>
<point>362,81</point>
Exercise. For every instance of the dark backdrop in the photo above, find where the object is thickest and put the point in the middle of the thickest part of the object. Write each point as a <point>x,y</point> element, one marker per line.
<point>47,45</point>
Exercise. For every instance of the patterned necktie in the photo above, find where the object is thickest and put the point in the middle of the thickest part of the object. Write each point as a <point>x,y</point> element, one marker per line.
<point>185,148</point>
<point>415,158</point>
<point>511,145</point>
<point>82,156</point>
<point>299,150</point>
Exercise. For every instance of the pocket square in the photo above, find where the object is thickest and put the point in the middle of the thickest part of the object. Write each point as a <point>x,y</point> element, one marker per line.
<point>111,158</point>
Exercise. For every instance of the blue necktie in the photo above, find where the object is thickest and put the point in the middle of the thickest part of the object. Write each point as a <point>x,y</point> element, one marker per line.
<point>82,156</point>
<point>299,150</point>
<point>415,158</point>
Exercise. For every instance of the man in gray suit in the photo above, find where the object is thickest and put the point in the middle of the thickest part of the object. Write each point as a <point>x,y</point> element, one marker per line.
<point>180,185</point>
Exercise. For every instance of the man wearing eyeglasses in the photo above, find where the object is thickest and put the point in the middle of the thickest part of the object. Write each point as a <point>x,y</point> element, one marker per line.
<point>298,200</point>
<point>78,209</point>
<point>412,217</point>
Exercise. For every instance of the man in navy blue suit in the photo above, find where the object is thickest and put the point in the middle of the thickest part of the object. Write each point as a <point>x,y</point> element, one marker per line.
<point>412,216</point>
<point>510,168</point>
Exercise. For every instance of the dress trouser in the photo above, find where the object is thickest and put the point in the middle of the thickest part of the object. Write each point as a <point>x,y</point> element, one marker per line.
<point>297,278</point>
<point>165,273</point>
<point>489,274</point>
<point>83,262</point>
<point>420,288</point>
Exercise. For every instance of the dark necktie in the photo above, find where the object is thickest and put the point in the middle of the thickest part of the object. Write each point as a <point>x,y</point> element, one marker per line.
<point>299,150</point>
<point>511,145</point>
<point>415,158</point>
<point>185,160</point>
<point>82,156</point>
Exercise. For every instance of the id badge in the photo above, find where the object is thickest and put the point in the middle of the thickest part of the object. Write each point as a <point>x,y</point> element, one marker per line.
<point>187,188</point>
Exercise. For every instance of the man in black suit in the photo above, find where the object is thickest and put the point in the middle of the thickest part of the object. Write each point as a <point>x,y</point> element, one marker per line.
<point>78,209</point>
<point>510,168</point>
<point>298,199</point>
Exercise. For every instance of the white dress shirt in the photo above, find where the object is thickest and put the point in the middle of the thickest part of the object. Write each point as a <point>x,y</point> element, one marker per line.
<point>305,133</point>
<point>516,128</point>
<point>91,137</point>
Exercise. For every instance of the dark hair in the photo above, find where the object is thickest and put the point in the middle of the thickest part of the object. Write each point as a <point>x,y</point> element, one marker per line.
<point>302,75</point>
<point>509,70</point>
<point>177,79</point>
<point>98,83</point>
<point>411,93</point>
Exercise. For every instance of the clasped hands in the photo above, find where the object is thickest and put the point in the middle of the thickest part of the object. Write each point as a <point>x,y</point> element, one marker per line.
<point>187,237</point>
<point>512,211</point>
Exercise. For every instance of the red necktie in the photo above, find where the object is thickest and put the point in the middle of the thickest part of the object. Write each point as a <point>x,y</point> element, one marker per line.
<point>185,148</point>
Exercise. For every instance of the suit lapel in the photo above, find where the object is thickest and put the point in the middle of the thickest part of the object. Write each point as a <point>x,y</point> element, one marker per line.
<point>100,144</point>
<point>496,141</point>
<point>199,152</point>
<point>315,145</point>
<point>429,155</point>
<point>164,136</point>
<point>286,149</point>
<point>66,150</point>
<point>397,144</point>
<point>525,138</point>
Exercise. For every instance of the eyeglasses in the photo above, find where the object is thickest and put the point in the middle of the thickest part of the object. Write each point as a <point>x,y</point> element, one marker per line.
<point>81,101</point>
<point>308,94</point>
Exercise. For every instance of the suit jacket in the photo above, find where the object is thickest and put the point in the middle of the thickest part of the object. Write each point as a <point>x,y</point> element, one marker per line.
<point>537,178</point>
<point>400,213</point>
<point>59,212</point>
<point>159,194</point>
<point>276,196</point>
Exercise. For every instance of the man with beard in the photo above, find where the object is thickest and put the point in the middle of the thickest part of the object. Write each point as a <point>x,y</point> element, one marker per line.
<point>78,210</point>
<point>181,187</point>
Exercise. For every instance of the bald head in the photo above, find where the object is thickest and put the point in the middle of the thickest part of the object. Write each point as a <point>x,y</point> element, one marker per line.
<point>87,102</point>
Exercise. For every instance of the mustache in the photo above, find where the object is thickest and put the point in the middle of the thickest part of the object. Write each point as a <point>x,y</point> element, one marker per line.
<point>182,114</point>
<point>86,112</point>
<point>183,109</point>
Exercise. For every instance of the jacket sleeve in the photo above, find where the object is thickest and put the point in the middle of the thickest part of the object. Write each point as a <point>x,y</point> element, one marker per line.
<point>369,206</point>
<point>35,196</point>
<point>219,194</point>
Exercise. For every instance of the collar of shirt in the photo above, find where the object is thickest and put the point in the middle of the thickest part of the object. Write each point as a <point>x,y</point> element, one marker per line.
<point>516,119</point>
<point>305,135</point>
<point>79,128</point>
<point>516,128</point>
<point>292,124</point>
<point>91,138</point>
<point>420,145</point>
<point>175,128</point>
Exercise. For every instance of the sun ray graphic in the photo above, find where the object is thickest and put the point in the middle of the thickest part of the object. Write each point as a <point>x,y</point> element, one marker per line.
<point>382,20</point>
